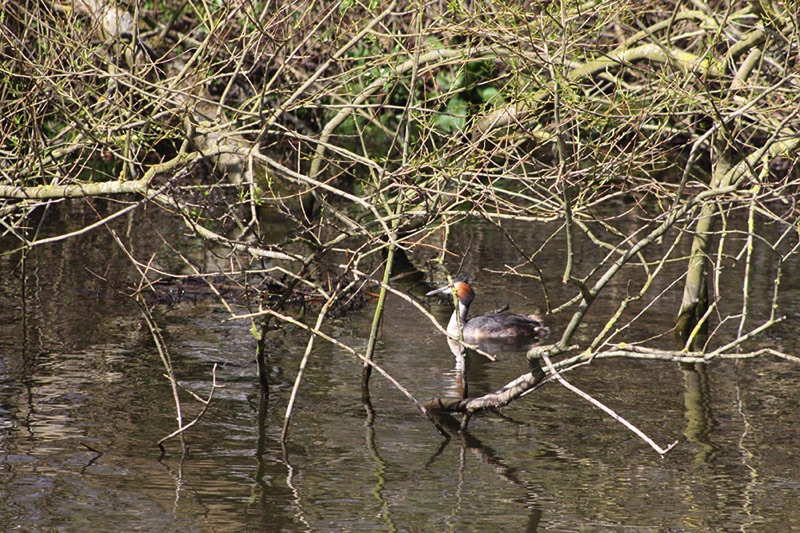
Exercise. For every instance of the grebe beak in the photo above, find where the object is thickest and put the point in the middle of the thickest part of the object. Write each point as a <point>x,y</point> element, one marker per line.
<point>447,289</point>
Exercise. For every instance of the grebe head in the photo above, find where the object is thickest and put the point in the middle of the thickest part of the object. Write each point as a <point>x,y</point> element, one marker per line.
<point>460,287</point>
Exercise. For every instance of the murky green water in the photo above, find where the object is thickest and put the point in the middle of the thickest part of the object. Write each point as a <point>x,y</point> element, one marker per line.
<point>83,403</point>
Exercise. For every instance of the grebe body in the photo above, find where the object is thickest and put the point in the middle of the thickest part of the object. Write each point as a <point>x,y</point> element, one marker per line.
<point>491,326</point>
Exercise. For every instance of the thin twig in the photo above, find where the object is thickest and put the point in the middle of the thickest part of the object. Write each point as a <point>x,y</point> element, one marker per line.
<point>607,410</point>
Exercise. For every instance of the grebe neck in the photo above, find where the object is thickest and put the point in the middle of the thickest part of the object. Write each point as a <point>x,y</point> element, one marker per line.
<point>458,318</point>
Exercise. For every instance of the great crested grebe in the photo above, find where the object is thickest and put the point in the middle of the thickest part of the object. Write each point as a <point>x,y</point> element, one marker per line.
<point>491,326</point>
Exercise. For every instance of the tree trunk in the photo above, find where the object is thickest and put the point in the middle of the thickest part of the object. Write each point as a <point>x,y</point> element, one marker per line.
<point>695,291</point>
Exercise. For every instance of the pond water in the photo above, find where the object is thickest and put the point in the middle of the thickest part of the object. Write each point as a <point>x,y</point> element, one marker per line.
<point>83,402</point>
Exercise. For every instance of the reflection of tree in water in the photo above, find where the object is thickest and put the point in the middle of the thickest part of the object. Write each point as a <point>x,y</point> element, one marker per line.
<point>699,417</point>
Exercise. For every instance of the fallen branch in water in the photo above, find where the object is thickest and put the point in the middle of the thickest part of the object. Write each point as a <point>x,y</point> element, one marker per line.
<point>510,392</point>
<point>527,383</point>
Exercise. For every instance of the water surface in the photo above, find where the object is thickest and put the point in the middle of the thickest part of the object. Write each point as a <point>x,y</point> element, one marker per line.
<point>83,402</point>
